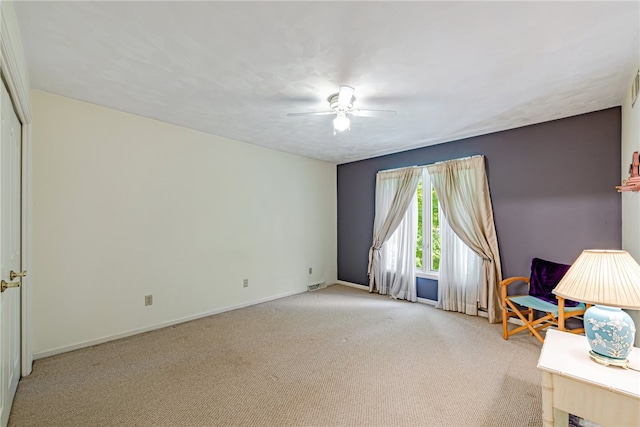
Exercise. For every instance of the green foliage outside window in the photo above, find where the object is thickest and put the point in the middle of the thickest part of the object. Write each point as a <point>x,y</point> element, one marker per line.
<point>435,231</point>
<point>419,242</point>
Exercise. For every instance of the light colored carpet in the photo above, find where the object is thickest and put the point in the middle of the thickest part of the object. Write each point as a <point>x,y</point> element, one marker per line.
<point>335,357</point>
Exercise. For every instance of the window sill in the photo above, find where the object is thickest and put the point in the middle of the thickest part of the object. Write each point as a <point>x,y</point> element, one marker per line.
<point>432,276</point>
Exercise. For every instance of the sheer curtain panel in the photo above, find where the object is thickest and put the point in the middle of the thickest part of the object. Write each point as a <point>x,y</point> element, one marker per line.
<point>459,274</point>
<point>392,253</point>
<point>463,192</point>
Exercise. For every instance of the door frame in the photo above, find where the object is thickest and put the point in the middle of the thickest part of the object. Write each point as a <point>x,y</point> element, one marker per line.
<point>18,87</point>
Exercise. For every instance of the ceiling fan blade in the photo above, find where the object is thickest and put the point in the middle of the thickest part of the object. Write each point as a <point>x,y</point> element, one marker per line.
<point>345,96</point>
<point>373,113</point>
<point>313,113</point>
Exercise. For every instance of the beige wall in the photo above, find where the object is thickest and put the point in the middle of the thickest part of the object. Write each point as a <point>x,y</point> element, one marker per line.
<point>126,206</point>
<point>631,200</point>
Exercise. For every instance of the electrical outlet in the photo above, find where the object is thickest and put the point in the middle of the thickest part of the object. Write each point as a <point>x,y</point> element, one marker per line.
<point>148,300</point>
<point>245,283</point>
<point>310,270</point>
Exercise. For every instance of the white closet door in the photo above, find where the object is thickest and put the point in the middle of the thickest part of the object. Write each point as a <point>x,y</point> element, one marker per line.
<point>10,251</point>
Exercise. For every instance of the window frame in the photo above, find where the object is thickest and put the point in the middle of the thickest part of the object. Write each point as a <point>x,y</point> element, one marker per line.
<point>427,207</point>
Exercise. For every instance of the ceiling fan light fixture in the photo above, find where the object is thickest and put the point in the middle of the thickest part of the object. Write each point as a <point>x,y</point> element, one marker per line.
<point>341,104</point>
<point>341,122</point>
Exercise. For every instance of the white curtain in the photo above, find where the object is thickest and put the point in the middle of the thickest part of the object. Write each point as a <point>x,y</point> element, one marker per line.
<point>463,193</point>
<point>459,274</point>
<point>392,253</point>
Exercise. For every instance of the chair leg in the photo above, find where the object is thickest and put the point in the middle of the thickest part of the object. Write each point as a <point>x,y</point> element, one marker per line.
<point>505,316</point>
<point>505,320</point>
<point>539,324</point>
<point>528,321</point>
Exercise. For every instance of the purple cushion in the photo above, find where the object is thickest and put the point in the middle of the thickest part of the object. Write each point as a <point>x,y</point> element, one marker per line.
<point>545,276</point>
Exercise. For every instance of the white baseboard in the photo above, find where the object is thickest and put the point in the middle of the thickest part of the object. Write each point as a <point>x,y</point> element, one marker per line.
<point>90,343</point>
<point>427,301</point>
<point>102,340</point>
<point>353,285</point>
<point>515,321</point>
<point>366,288</point>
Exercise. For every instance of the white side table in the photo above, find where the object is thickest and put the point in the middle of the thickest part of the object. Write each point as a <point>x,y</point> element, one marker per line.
<point>572,383</point>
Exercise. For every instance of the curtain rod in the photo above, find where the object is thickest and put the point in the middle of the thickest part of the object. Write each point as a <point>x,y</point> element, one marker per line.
<point>436,163</point>
<point>460,158</point>
<point>399,169</point>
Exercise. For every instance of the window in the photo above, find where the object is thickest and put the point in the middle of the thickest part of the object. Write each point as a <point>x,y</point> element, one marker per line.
<point>428,241</point>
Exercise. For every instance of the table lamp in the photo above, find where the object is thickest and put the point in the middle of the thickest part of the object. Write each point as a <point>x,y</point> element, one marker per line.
<point>610,279</point>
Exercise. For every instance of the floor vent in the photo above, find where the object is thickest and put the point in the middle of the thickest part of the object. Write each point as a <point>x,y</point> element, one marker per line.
<point>315,286</point>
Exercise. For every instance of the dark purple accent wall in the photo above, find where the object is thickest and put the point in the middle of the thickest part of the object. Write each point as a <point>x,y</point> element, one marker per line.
<point>552,189</point>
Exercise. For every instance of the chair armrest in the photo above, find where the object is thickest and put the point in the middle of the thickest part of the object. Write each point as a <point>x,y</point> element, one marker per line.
<point>510,280</point>
<point>506,282</point>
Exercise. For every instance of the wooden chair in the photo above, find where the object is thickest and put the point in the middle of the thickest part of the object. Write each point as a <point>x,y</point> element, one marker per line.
<point>545,276</point>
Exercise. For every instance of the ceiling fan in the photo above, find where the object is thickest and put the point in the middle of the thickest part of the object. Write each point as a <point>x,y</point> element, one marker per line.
<point>341,104</point>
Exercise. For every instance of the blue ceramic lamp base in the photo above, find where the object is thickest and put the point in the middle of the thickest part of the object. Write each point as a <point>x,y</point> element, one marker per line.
<point>610,332</point>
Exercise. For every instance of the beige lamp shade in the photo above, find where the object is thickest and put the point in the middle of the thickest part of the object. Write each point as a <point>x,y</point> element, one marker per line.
<point>605,277</point>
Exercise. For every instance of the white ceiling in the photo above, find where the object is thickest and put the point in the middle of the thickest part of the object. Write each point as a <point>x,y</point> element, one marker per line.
<point>235,69</point>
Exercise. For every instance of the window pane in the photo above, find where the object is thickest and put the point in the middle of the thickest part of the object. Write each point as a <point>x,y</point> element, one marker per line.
<point>419,241</point>
<point>435,231</point>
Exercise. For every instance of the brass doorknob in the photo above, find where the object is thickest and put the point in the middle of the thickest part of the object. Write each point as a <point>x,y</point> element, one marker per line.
<point>13,274</point>
<point>4,285</point>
